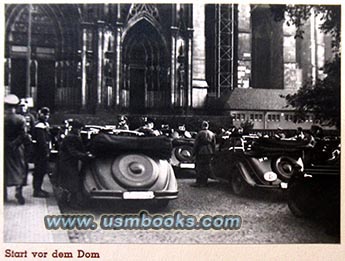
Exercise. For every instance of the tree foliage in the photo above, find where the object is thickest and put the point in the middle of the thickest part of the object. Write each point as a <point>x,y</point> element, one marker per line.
<point>297,15</point>
<point>323,97</point>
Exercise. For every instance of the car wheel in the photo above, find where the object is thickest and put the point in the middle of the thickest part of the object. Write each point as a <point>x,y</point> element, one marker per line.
<point>183,153</point>
<point>135,170</point>
<point>300,199</point>
<point>284,167</point>
<point>238,184</point>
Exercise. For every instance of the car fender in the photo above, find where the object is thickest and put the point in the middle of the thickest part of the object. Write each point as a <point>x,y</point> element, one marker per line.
<point>245,173</point>
<point>260,166</point>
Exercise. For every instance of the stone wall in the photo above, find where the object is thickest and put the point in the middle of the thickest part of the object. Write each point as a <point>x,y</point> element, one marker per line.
<point>200,86</point>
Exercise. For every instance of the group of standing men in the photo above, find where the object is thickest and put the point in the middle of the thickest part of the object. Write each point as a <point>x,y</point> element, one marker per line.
<point>28,140</point>
<point>25,140</point>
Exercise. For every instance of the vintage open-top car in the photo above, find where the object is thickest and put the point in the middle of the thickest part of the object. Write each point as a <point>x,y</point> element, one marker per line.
<point>130,167</point>
<point>268,163</point>
<point>315,190</point>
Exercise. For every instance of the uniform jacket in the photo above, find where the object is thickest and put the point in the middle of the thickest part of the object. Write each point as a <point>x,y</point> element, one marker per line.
<point>15,137</point>
<point>71,151</point>
<point>41,135</point>
<point>205,143</point>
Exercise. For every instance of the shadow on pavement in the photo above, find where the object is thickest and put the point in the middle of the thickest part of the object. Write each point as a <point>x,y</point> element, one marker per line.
<point>119,206</point>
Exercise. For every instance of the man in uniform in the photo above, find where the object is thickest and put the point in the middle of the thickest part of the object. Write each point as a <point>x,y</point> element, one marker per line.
<point>72,152</point>
<point>29,117</point>
<point>203,150</point>
<point>122,123</point>
<point>149,128</point>
<point>30,125</point>
<point>41,136</point>
<point>14,139</point>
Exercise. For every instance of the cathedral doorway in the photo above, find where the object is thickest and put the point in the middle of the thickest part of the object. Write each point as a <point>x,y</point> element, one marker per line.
<point>145,68</point>
<point>32,38</point>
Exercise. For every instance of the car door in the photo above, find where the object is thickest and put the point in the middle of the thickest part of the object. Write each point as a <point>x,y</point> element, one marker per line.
<point>222,164</point>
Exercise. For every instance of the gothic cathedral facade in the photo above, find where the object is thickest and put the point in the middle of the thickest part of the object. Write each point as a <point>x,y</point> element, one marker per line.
<point>152,58</point>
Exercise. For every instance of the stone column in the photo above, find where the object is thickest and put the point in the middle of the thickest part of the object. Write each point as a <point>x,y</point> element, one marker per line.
<point>118,55</point>
<point>313,46</point>
<point>8,75</point>
<point>320,41</point>
<point>292,78</point>
<point>312,49</point>
<point>173,69</point>
<point>199,79</point>
<point>89,66</point>
<point>189,67</point>
<point>100,57</point>
<point>83,70</point>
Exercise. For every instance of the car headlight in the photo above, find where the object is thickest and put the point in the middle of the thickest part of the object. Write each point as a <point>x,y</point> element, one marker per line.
<point>270,176</point>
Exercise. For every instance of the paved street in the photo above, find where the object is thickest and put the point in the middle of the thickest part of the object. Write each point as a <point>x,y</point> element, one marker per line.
<point>25,224</point>
<point>265,219</point>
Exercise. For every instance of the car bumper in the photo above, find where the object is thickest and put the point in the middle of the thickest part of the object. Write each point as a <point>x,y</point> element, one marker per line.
<point>273,186</point>
<point>186,165</point>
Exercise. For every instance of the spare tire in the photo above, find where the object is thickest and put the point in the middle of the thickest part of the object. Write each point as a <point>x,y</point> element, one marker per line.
<point>183,153</point>
<point>284,167</point>
<point>135,170</point>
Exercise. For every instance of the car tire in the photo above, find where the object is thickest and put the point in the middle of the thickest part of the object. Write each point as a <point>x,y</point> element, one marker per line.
<point>237,183</point>
<point>300,199</point>
<point>284,167</point>
<point>183,153</point>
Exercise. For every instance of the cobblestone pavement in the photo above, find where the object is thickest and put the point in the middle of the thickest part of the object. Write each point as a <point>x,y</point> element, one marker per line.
<point>266,219</point>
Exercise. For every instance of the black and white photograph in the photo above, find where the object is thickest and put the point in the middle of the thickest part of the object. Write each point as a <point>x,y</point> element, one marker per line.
<point>195,124</point>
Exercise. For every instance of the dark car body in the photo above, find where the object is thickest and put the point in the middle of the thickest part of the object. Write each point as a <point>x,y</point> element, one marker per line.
<point>314,192</point>
<point>265,164</point>
<point>128,167</point>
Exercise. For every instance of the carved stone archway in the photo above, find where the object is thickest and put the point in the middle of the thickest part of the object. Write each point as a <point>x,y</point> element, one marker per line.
<point>145,68</point>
